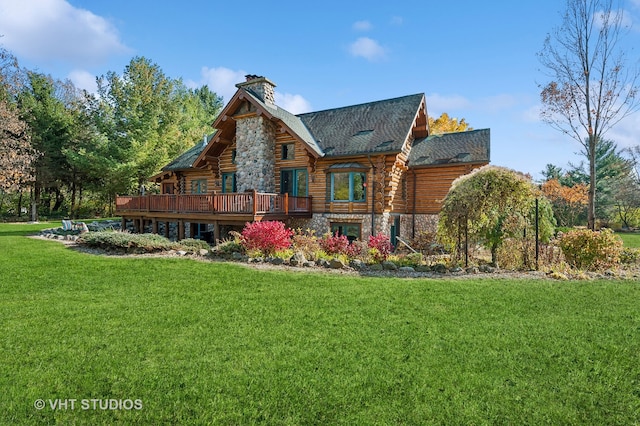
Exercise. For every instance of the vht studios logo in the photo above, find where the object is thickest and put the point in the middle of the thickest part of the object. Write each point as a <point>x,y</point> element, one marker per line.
<point>88,404</point>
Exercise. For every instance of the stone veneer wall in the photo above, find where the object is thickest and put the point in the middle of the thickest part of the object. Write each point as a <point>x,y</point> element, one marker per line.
<point>424,223</point>
<point>255,159</point>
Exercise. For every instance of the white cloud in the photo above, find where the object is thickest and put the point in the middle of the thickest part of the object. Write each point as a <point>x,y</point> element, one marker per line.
<point>223,82</point>
<point>625,133</point>
<point>220,80</point>
<point>295,104</point>
<point>367,48</point>
<point>362,26</point>
<point>437,104</point>
<point>83,80</point>
<point>55,30</point>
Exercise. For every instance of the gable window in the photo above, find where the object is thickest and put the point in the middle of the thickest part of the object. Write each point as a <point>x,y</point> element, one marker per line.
<point>348,186</point>
<point>229,183</point>
<point>294,182</point>
<point>288,151</point>
<point>198,186</point>
<point>351,230</point>
<point>168,188</point>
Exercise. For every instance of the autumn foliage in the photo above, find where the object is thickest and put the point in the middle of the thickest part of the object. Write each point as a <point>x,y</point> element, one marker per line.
<point>266,237</point>
<point>569,202</point>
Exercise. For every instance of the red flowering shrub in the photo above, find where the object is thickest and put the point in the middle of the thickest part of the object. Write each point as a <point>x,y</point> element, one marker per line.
<point>340,245</point>
<point>267,237</point>
<point>334,244</point>
<point>379,247</point>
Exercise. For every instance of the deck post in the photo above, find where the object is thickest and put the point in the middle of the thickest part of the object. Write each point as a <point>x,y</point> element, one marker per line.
<point>166,228</point>
<point>255,202</point>
<point>192,229</point>
<point>216,232</point>
<point>123,223</point>
<point>154,225</point>
<point>180,230</point>
<point>286,203</point>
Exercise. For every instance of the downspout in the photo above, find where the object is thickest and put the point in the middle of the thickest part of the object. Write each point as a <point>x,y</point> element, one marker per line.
<point>413,213</point>
<point>373,197</point>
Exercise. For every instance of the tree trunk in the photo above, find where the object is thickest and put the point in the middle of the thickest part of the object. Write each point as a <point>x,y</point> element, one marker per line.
<point>20,204</point>
<point>59,200</point>
<point>591,204</point>
<point>35,199</point>
<point>73,197</point>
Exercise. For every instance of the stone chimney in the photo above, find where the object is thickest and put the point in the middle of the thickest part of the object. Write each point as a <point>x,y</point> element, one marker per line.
<point>261,87</point>
<point>256,141</point>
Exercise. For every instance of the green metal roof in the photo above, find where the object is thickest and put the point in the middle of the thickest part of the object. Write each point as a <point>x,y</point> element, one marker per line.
<point>186,160</point>
<point>291,121</point>
<point>374,127</point>
<point>459,147</point>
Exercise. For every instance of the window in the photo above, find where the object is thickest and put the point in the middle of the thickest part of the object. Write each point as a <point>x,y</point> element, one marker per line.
<point>294,182</point>
<point>228,182</point>
<point>351,230</point>
<point>198,186</point>
<point>349,186</point>
<point>168,188</point>
<point>233,156</point>
<point>288,151</point>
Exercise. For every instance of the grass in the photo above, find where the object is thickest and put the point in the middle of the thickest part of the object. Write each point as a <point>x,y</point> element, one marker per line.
<point>630,239</point>
<point>215,343</point>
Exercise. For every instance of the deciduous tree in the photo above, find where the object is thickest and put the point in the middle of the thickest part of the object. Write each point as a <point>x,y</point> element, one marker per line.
<point>491,204</point>
<point>591,88</point>
<point>446,124</point>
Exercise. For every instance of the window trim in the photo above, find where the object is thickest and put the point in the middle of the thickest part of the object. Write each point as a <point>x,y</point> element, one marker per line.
<point>225,176</point>
<point>351,187</point>
<point>345,224</point>
<point>294,190</point>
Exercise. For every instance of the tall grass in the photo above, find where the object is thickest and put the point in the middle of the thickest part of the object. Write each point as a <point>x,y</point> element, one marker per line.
<point>216,343</point>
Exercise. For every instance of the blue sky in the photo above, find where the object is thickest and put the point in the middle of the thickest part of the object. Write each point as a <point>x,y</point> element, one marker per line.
<point>473,60</point>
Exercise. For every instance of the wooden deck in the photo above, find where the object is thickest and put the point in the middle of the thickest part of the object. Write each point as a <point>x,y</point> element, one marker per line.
<point>249,206</point>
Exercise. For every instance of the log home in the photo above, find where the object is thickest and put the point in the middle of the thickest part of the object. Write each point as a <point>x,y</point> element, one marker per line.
<point>358,170</point>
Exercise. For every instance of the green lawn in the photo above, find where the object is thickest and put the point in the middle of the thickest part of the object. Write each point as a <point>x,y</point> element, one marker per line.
<point>213,343</point>
<point>630,240</point>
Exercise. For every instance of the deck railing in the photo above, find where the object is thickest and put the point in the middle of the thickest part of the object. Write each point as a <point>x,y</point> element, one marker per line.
<point>252,203</point>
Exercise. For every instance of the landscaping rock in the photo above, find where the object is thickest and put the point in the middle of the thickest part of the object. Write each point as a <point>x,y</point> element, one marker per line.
<point>181,253</point>
<point>276,261</point>
<point>423,268</point>
<point>203,252</point>
<point>375,267</point>
<point>406,269</point>
<point>324,263</point>
<point>472,270</point>
<point>357,264</point>
<point>298,259</point>
<point>336,264</point>
<point>456,270</point>
<point>309,264</point>
<point>440,268</point>
<point>389,266</point>
<point>237,256</point>
<point>486,269</point>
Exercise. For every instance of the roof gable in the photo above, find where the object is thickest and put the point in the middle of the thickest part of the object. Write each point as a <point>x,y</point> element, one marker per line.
<point>459,147</point>
<point>187,159</point>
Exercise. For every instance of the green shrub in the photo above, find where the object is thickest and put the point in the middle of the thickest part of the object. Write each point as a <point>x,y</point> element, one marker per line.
<point>116,240</point>
<point>592,250</point>
<point>630,256</point>
<point>192,243</point>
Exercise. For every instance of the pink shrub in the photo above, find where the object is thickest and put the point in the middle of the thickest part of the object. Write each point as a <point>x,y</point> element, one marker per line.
<point>380,247</point>
<point>334,244</point>
<point>267,237</point>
